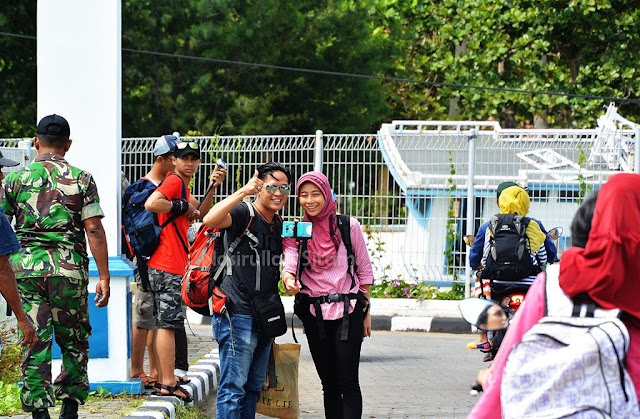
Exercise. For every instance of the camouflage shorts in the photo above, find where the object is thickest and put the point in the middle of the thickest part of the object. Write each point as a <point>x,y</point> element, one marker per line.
<point>168,300</point>
<point>143,308</point>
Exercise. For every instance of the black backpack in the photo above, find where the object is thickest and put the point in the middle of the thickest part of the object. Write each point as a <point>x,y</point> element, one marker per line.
<point>510,251</point>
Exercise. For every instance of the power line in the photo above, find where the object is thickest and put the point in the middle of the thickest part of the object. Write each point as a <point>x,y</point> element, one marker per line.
<point>383,78</point>
<point>356,75</point>
<point>17,35</point>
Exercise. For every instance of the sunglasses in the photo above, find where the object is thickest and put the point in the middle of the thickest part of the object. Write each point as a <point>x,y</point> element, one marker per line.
<point>271,189</point>
<point>191,144</point>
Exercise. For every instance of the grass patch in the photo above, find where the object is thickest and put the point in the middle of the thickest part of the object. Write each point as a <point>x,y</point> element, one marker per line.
<point>189,412</point>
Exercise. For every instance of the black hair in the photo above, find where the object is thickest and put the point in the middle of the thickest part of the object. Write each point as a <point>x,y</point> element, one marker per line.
<point>268,168</point>
<point>55,141</point>
<point>483,317</point>
<point>581,224</point>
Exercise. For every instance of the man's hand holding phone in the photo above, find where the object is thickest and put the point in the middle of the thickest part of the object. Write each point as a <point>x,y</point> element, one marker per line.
<point>219,173</point>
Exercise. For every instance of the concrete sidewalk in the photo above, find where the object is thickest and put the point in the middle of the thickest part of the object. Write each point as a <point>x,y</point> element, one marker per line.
<point>394,314</point>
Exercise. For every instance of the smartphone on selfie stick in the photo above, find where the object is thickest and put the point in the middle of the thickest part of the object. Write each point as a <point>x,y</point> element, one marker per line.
<point>301,231</point>
<point>220,164</point>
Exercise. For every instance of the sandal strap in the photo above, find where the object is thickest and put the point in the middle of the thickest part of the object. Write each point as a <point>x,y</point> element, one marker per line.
<point>188,397</point>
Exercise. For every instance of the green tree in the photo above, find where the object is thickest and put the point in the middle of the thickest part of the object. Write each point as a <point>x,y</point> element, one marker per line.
<point>163,94</point>
<point>580,46</point>
<point>18,70</point>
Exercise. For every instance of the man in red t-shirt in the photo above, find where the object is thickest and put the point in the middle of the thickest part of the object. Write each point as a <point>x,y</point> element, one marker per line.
<point>167,264</point>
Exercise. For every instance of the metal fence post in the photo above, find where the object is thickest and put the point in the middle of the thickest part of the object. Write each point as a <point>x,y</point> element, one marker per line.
<point>26,146</point>
<point>473,133</point>
<point>636,157</point>
<point>317,161</point>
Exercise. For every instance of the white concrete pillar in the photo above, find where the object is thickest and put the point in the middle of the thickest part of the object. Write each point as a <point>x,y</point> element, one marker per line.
<point>79,77</point>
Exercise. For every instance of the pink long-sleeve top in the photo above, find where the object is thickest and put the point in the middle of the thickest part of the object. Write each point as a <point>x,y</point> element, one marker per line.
<point>529,313</point>
<point>333,279</point>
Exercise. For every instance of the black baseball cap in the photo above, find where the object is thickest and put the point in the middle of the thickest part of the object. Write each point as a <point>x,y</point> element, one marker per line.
<point>184,148</point>
<point>7,162</point>
<point>53,125</point>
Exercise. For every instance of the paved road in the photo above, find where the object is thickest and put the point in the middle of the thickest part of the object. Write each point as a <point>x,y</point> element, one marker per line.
<point>402,375</point>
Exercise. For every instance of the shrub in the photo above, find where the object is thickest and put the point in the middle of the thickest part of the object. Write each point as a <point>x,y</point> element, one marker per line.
<point>399,288</point>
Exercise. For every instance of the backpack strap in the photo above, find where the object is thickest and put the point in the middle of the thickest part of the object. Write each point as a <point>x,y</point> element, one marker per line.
<point>492,227</point>
<point>173,217</point>
<point>558,304</point>
<point>234,245</point>
<point>344,225</point>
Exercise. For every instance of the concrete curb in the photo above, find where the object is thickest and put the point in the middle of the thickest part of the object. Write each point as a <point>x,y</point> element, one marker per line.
<point>393,314</point>
<point>204,376</point>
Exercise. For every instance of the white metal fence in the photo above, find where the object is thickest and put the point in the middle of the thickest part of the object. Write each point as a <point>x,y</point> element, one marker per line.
<point>353,163</point>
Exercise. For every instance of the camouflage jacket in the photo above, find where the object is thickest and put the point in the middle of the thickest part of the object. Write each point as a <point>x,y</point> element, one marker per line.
<point>49,200</point>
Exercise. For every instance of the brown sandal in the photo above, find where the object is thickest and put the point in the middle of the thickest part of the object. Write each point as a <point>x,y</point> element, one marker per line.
<point>185,396</point>
<point>182,380</point>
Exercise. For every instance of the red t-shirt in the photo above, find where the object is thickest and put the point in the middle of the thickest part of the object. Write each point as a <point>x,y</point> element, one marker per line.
<point>170,256</point>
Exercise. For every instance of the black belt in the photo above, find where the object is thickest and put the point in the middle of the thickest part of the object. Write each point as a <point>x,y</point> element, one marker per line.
<point>331,298</point>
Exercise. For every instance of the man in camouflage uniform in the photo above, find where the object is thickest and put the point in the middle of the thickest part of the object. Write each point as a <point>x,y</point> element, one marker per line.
<point>53,204</point>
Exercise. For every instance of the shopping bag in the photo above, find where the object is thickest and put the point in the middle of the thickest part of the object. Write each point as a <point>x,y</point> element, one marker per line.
<point>279,396</point>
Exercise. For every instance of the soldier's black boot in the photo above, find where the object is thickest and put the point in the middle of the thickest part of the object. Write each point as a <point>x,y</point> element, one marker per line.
<point>40,414</point>
<point>69,409</point>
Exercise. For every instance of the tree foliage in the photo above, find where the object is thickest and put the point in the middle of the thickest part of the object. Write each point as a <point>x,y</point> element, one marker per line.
<point>579,46</point>
<point>163,94</point>
<point>585,47</point>
<point>18,70</point>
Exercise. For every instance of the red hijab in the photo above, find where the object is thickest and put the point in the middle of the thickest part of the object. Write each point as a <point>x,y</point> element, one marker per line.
<point>608,269</point>
<point>324,243</point>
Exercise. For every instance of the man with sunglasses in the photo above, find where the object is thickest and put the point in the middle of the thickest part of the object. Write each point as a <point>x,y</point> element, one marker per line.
<point>166,266</point>
<point>244,351</point>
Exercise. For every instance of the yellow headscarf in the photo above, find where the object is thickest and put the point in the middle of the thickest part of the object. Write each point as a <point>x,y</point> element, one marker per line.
<point>515,200</point>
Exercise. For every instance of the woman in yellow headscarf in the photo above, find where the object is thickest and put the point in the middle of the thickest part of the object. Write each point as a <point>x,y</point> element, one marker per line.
<point>515,200</point>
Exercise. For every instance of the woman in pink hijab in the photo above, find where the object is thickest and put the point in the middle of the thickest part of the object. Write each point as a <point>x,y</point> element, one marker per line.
<point>332,294</point>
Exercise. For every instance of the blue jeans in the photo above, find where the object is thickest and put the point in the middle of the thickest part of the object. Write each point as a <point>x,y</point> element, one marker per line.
<point>243,365</point>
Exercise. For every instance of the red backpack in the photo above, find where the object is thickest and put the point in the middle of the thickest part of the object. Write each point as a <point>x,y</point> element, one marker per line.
<point>202,276</point>
<point>206,268</point>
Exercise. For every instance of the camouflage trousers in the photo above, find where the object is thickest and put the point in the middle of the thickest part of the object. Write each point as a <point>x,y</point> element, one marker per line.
<point>56,304</point>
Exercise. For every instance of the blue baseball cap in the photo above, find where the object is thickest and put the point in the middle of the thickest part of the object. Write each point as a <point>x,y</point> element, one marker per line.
<point>166,144</point>
<point>4,161</point>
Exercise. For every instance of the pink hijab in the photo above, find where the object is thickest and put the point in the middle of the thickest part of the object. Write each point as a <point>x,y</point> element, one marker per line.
<point>326,239</point>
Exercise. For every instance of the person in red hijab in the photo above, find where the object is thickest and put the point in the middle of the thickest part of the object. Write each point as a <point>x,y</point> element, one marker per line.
<point>332,298</point>
<point>604,263</point>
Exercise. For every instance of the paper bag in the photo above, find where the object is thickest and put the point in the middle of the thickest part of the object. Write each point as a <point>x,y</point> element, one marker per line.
<point>279,396</point>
